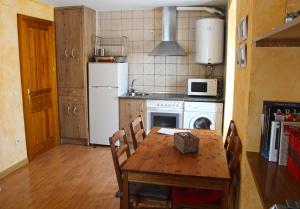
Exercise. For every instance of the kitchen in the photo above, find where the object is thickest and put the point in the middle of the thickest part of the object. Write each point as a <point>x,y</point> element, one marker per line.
<point>132,78</point>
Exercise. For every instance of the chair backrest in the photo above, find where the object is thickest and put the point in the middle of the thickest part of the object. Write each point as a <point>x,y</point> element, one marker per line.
<point>233,154</point>
<point>119,147</point>
<point>137,131</point>
<point>230,134</point>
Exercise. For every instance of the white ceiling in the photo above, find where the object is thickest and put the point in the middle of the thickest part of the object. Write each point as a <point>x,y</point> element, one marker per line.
<point>108,5</point>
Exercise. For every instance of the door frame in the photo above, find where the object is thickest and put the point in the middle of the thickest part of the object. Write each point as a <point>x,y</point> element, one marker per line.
<point>20,19</point>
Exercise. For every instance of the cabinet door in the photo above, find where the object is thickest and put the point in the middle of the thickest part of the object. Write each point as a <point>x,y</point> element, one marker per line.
<point>66,120</point>
<point>62,50</point>
<point>79,121</point>
<point>129,110</point>
<point>75,44</point>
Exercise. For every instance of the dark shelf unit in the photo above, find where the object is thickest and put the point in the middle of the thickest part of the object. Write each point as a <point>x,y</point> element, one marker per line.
<point>274,183</point>
<point>286,35</point>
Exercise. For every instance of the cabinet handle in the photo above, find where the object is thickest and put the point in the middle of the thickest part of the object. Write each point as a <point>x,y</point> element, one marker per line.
<point>66,52</point>
<point>74,110</point>
<point>72,53</point>
<point>142,106</point>
<point>68,108</point>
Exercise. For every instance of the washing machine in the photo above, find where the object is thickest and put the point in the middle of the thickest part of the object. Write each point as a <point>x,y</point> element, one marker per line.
<point>203,115</point>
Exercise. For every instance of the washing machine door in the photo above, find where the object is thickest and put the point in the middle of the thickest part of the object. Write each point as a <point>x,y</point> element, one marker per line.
<point>202,121</point>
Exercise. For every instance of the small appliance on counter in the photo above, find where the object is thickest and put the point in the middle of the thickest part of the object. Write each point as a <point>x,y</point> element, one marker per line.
<point>202,87</point>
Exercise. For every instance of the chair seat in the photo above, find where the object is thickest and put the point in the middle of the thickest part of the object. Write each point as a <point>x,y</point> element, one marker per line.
<point>149,191</point>
<point>188,196</point>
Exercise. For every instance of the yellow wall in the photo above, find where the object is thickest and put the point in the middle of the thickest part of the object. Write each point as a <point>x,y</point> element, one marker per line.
<point>11,108</point>
<point>271,74</point>
<point>230,65</point>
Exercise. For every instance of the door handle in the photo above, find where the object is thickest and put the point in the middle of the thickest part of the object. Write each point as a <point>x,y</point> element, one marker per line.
<point>74,110</point>
<point>66,52</point>
<point>29,95</point>
<point>68,108</point>
<point>72,53</point>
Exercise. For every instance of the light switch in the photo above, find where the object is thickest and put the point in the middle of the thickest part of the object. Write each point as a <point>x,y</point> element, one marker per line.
<point>15,92</point>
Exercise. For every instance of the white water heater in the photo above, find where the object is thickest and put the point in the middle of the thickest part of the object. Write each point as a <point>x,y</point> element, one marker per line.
<point>209,41</point>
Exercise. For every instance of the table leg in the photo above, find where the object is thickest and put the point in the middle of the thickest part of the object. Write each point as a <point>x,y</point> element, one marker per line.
<point>125,198</point>
<point>225,198</point>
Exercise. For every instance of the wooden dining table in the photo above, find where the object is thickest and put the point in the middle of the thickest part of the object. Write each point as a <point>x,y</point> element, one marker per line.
<point>157,161</point>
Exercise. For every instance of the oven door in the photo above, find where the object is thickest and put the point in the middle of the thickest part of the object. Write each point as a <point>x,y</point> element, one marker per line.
<point>164,118</point>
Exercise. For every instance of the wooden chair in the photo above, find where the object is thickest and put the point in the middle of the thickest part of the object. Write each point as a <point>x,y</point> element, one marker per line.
<point>139,193</point>
<point>230,134</point>
<point>137,129</point>
<point>199,198</point>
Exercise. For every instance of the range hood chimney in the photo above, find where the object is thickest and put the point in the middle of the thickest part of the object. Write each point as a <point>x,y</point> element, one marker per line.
<point>169,45</point>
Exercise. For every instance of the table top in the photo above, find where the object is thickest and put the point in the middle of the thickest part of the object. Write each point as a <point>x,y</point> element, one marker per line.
<point>158,155</point>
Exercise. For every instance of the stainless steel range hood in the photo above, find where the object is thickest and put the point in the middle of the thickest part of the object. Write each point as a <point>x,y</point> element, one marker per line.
<point>169,45</point>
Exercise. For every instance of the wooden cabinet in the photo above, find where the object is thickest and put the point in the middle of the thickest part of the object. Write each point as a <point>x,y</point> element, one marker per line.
<point>130,109</point>
<point>75,27</point>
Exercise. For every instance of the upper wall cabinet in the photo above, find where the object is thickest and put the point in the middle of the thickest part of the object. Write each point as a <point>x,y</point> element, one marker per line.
<point>286,35</point>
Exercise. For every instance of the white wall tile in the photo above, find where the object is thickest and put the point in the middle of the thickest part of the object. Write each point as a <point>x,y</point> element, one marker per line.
<point>127,14</point>
<point>171,69</point>
<point>116,15</point>
<point>148,59</point>
<point>138,13</point>
<point>144,31</point>
<point>183,23</point>
<point>160,69</point>
<point>138,46</point>
<point>149,13</point>
<point>171,59</point>
<point>137,24</point>
<point>148,35</point>
<point>158,23</point>
<point>116,24</point>
<point>136,69</point>
<point>182,69</point>
<point>149,80</point>
<point>171,80</point>
<point>160,80</point>
<point>160,59</point>
<point>148,69</point>
<point>149,23</point>
<point>137,35</point>
<point>104,15</point>
<point>137,58</point>
<point>148,46</point>
<point>126,24</point>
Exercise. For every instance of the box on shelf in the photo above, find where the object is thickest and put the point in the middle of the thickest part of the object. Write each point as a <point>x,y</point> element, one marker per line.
<point>293,161</point>
<point>186,142</point>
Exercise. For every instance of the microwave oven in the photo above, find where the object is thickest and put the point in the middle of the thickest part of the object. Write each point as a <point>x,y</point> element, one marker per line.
<point>202,87</point>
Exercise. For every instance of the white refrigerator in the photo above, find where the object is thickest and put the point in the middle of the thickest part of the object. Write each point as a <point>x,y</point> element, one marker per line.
<point>107,81</point>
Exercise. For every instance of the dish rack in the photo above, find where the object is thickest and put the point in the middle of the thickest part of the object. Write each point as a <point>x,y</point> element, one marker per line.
<point>112,46</point>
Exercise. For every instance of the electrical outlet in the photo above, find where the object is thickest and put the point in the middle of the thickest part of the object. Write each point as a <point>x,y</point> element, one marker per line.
<point>18,140</point>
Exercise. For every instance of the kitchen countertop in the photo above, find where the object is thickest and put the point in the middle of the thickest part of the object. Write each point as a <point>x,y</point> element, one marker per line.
<point>175,97</point>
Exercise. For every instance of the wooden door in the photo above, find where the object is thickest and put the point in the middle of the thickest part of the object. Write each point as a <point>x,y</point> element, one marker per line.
<point>38,73</point>
<point>74,24</point>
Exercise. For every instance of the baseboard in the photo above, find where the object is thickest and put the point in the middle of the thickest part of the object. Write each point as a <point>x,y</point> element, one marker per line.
<point>78,141</point>
<point>13,168</point>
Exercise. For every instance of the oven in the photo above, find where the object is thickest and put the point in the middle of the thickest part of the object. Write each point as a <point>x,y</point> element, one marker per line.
<point>164,113</point>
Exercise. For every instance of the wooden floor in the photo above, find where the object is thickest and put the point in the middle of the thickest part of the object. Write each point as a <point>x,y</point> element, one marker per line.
<point>66,177</point>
